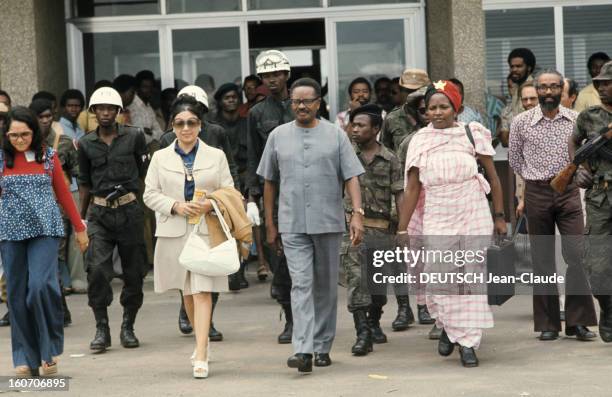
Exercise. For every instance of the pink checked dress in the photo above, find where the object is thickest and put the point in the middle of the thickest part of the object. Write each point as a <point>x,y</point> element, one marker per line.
<point>455,205</point>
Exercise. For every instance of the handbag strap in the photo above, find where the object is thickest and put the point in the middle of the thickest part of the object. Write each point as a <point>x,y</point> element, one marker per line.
<point>221,221</point>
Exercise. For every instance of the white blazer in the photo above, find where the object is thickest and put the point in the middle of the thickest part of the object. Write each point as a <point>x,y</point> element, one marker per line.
<point>165,183</point>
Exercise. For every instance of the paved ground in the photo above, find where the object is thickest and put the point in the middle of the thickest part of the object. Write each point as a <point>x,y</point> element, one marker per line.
<point>250,363</point>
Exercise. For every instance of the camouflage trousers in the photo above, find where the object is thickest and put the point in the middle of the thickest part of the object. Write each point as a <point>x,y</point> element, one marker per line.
<point>351,259</point>
<point>598,247</point>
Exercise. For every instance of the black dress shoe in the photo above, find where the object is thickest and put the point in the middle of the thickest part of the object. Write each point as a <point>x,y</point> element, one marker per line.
<point>424,316</point>
<point>581,332</point>
<point>214,335</point>
<point>549,335</point>
<point>5,321</point>
<point>445,346</point>
<point>322,360</point>
<point>183,322</point>
<point>301,361</point>
<point>434,333</point>
<point>468,357</point>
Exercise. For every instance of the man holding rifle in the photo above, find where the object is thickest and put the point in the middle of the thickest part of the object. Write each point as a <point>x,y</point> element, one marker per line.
<point>595,125</point>
<point>538,152</point>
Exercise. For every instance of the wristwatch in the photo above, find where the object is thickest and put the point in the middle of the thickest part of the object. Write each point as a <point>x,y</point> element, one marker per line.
<point>359,211</point>
<point>499,215</point>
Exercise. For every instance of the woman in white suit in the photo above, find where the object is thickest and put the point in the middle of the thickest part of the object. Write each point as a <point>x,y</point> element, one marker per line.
<point>173,175</point>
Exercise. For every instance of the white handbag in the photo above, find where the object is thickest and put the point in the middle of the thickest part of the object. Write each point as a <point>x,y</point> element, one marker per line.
<point>198,257</point>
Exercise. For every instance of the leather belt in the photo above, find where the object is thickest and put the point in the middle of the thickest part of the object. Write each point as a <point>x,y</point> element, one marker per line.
<point>372,222</point>
<point>123,200</point>
<point>540,182</point>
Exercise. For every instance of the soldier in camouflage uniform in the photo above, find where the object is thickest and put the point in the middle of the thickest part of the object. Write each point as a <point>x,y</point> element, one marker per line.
<point>380,185</point>
<point>397,127</point>
<point>273,68</point>
<point>598,182</point>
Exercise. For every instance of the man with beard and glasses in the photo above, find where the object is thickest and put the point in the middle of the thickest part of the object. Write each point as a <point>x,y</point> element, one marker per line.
<point>596,179</point>
<point>589,95</point>
<point>360,92</point>
<point>538,152</point>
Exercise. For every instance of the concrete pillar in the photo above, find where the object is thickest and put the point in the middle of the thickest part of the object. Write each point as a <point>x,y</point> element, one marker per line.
<point>33,48</point>
<point>456,45</point>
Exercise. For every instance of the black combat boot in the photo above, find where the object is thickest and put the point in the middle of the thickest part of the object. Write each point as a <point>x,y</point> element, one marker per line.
<point>183,321</point>
<point>405,317</point>
<point>241,276</point>
<point>424,316</point>
<point>102,340</point>
<point>127,337</point>
<point>234,281</point>
<point>374,315</point>
<point>285,336</point>
<point>363,345</point>
<point>605,318</point>
<point>213,334</point>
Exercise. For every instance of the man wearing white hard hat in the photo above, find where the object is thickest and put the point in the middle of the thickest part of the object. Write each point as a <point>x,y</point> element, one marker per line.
<point>273,68</point>
<point>110,167</point>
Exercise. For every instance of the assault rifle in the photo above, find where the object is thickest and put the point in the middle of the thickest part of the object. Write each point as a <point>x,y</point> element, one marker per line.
<point>586,151</point>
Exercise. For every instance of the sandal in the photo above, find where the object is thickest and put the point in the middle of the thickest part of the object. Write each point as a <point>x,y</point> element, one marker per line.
<point>200,369</point>
<point>262,271</point>
<point>208,355</point>
<point>49,368</point>
<point>23,371</point>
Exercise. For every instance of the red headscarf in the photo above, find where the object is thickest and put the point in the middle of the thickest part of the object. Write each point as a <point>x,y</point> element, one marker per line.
<point>449,89</point>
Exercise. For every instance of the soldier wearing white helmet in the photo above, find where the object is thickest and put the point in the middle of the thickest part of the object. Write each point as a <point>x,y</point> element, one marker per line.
<point>110,167</point>
<point>273,68</point>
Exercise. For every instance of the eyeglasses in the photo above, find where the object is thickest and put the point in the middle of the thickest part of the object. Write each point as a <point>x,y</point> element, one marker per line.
<point>307,102</point>
<point>13,136</point>
<point>552,87</point>
<point>180,124</point>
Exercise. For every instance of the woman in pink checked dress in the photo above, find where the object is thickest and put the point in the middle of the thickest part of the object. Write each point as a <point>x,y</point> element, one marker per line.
<point>441,160</point>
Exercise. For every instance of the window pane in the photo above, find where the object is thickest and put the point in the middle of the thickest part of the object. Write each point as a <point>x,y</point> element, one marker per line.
<point>272,4</point>
<point>180,6</point>
<point>109,8</point>
<point>509,29</point>
<point>587,30</point>
<point>108,55</point>
<point>206,57</point>
<point>333,3</point>
<point>371,49</point>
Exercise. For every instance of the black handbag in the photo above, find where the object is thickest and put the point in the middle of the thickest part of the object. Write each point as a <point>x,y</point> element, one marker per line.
<point>501,259</point>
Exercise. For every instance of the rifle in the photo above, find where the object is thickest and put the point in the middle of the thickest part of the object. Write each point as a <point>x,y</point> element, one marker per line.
<point>586,151</point>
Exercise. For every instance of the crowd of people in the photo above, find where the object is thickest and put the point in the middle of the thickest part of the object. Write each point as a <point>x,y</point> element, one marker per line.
<point>128,175</point>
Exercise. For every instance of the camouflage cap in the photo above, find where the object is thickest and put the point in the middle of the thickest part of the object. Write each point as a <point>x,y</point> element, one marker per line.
<point>606,72</point>
<point>414,79</point>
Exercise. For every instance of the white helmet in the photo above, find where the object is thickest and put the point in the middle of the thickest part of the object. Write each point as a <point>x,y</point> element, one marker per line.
<point>271,61</point>
<point>198,93</point>
<point>105,96</point>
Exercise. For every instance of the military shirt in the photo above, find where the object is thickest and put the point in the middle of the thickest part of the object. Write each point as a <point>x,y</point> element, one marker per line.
<point>263,118</point>
<point>383,178</point>
<point>237,134</point>
<point>310,166</point>
<point>66,153</point>
<point>102,166</point>
<point>397,125</point>
<point>213,135</point>
<point>587,125</point>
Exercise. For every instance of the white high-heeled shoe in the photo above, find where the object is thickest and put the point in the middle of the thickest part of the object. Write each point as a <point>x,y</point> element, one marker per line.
<point>200,369</point>
<point>208,355</point>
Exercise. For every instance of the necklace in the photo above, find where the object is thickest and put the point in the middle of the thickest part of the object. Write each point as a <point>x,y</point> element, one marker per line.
<point>188,172</point>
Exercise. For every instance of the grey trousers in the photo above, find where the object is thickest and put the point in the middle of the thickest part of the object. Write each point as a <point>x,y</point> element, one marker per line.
<point>313,261</point>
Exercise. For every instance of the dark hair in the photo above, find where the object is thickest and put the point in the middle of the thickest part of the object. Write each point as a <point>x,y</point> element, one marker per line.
<point>307,82</point>
<point>144,75</point>
<point>526,54</point>
<point>4,93</point>
<point>187,103</point>
<point>395,80</point>
<point>572,87</point>
<point>166,92</point>
<point>459,85</point>
<point>359,80</point>
<point>124,82</point>
<point>598,56</point>
<point>550,71</point>
<point>252,77</point>
<point>24,115</point>
<point>102,83</point>
<point>44,95</point>
<point>376,119</point>
<point>40,105</point>
<point>72,94</point>
<point>381,80</point>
